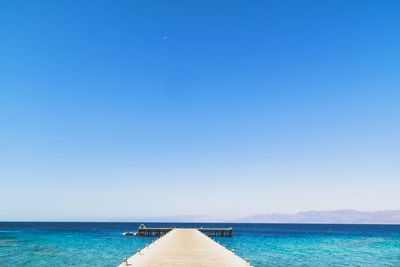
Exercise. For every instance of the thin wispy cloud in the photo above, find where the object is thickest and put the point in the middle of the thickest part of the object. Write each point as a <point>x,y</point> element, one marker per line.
<point>57,139</point>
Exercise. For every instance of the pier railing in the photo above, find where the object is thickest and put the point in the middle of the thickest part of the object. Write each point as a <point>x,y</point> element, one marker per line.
<point>212,232</point>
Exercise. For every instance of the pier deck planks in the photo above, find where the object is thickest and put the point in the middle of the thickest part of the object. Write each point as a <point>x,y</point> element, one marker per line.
<point>185,247</point>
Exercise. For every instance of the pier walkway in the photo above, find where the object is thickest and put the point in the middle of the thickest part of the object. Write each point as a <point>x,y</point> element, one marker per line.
<point>185,248</point>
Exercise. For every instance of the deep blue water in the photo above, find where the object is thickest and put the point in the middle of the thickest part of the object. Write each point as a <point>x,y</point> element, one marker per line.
<point>102,244</point>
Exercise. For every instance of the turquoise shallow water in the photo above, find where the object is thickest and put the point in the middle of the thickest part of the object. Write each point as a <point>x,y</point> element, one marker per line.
<point>102,244</point>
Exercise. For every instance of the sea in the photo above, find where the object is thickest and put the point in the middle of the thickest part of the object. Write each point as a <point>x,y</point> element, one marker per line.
<point>102,244</point>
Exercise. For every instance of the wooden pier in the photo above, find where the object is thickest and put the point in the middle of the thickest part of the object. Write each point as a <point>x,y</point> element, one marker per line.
<point>150,232</point>
<point>185,247</point>
<point>212,232</point>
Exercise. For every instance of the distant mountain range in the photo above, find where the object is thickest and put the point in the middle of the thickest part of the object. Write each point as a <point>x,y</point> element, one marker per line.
<point>333,216</point>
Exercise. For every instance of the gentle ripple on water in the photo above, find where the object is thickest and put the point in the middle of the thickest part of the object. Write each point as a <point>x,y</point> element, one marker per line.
<point>102,244</point>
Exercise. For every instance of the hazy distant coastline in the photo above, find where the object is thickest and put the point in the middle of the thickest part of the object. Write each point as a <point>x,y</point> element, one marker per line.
<point>333,216</point>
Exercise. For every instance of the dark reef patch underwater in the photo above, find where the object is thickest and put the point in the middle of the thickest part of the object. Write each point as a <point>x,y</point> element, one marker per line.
<point>102,244</point>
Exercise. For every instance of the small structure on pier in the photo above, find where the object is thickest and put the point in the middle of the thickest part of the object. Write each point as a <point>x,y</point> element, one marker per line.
<point>217,232</point>
<point>151,231</point>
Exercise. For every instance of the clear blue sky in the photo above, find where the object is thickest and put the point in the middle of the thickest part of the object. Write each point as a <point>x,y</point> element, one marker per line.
<point>111,109</point>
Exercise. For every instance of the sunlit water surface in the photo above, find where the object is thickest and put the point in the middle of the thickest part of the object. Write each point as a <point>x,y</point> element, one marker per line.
<point>102,244</point>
